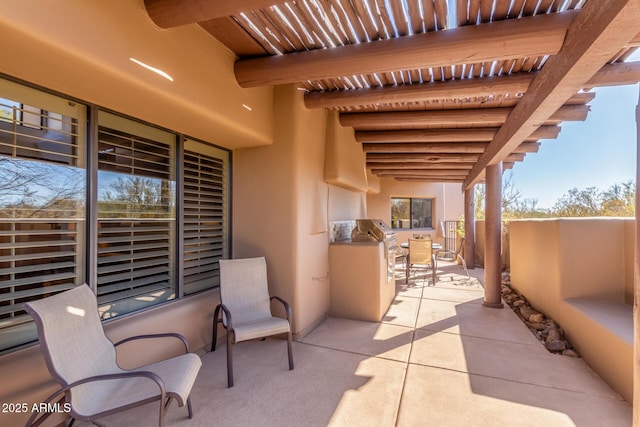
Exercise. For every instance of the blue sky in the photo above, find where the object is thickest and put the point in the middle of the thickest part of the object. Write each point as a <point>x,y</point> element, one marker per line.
<point>598,152</point>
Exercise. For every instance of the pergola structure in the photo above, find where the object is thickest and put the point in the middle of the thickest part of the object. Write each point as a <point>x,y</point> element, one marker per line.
<point>436,90</point>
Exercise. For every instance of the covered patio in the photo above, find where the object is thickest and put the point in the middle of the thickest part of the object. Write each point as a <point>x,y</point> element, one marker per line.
<point>438,358</point>
<point>264,125</point>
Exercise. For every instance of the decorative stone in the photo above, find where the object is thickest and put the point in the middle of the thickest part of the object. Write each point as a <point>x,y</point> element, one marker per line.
<point>538,326</point>
<point>527,312</point>
<point>556,345</point>
<point>536,318</point>
<point>545,329</point>
<point>553,335</point>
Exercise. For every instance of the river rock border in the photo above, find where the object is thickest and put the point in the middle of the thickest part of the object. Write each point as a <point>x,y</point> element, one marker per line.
<point>545,329</point>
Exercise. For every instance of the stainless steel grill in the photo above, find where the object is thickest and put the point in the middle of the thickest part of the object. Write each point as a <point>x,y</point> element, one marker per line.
<point>371,230</point>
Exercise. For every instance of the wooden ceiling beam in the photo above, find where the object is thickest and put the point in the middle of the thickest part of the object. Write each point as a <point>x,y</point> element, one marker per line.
<point>435,158</point>
<point>426,179</point>
<point>232,35</point>
<point>581,98</point>
<point>597,34</point>
<point>423,179</point>
<point>424,92</point>
<point>442,147</point>
<point>174,13</point>
<point>610,75</point>
<point>440,172</point>
<point>401,165</point>
<point>447,135</point>
<point>508,39</point>
<point>621,73</point>
<point>450,118</point>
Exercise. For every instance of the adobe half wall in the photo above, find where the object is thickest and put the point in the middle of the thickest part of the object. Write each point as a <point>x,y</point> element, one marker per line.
<point>579,272</point>
<point>449,203</point>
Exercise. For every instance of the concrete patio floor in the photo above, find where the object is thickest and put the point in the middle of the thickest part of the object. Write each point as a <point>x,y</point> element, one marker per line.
<point>438,358</point>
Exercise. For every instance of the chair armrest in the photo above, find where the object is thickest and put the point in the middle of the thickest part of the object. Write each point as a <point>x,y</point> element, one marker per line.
<point>287,308</point>
<point>227,315</point>
<point>165,335</point>
<point>121,375</point>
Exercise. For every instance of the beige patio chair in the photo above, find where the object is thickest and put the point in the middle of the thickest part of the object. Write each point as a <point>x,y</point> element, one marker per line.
<point>245,308</point>
<point>421,256</point>
<point>82,360</point>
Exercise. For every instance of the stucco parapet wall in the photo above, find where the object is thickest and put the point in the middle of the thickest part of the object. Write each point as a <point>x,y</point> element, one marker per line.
<point>578,271</point>
<point>584,257</point>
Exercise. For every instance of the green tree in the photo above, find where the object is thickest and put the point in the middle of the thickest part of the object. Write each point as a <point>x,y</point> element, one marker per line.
<point>514,205</point>
<point>617,200</point>
<point>138,197</point>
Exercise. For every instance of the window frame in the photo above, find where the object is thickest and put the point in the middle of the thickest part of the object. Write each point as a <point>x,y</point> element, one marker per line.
<point>87,252</point>
<point>394,224</point>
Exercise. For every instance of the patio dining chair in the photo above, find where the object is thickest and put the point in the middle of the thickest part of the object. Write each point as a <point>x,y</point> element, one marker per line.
<point>245,307</point>
<point>421,256</point>
<point>448,255</point>
<point>82,360</point>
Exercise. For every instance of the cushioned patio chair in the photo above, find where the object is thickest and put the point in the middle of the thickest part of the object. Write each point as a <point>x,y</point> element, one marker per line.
<point>447,255</point>
<point>421,256</point>
<point>245,307</point>
<point>82,360</point>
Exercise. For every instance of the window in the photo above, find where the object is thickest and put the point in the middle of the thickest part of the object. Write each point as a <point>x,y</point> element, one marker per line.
<point>42,203</point>
<point>161,224</point>
<point>205,215</point>
<point>411,213</point>
<point>136,215</point>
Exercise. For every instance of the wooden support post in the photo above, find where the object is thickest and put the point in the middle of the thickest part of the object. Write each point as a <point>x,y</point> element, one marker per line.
<point>469,229</point>
<point>493,237</point>
<point>636,292</point>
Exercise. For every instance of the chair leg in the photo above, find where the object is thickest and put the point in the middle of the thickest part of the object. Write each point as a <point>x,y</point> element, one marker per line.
<point>229,359</point>
<point>189,408</point>
<point>434,265</point>
<point>290,351</point>
<point>464,265</point>
<point>215,327</point>
<point>162,412</point>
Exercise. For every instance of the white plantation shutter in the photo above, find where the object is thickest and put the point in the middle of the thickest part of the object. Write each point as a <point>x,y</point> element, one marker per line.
<point>42,203</point>
<point>136,216</point>
<point>205,218</point>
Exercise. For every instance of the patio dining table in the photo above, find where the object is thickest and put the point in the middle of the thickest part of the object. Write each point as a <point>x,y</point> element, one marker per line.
<point>434,245</point>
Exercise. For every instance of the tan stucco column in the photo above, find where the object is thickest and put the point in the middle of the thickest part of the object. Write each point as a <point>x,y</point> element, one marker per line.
<point>636,292</point>
<point>493,237</point>
<point>469,228</point>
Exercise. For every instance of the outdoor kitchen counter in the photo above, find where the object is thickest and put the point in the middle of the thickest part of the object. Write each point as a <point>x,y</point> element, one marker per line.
<point>361,287</point>
<point>351,242</point>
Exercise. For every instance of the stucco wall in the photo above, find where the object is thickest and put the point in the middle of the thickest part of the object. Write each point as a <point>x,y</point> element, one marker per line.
<point>282,205</point>
<point>344,163</point>
<point>449,203</point>
<point>480,242</point>
<point>82,49</point>
<point>579,271</point>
